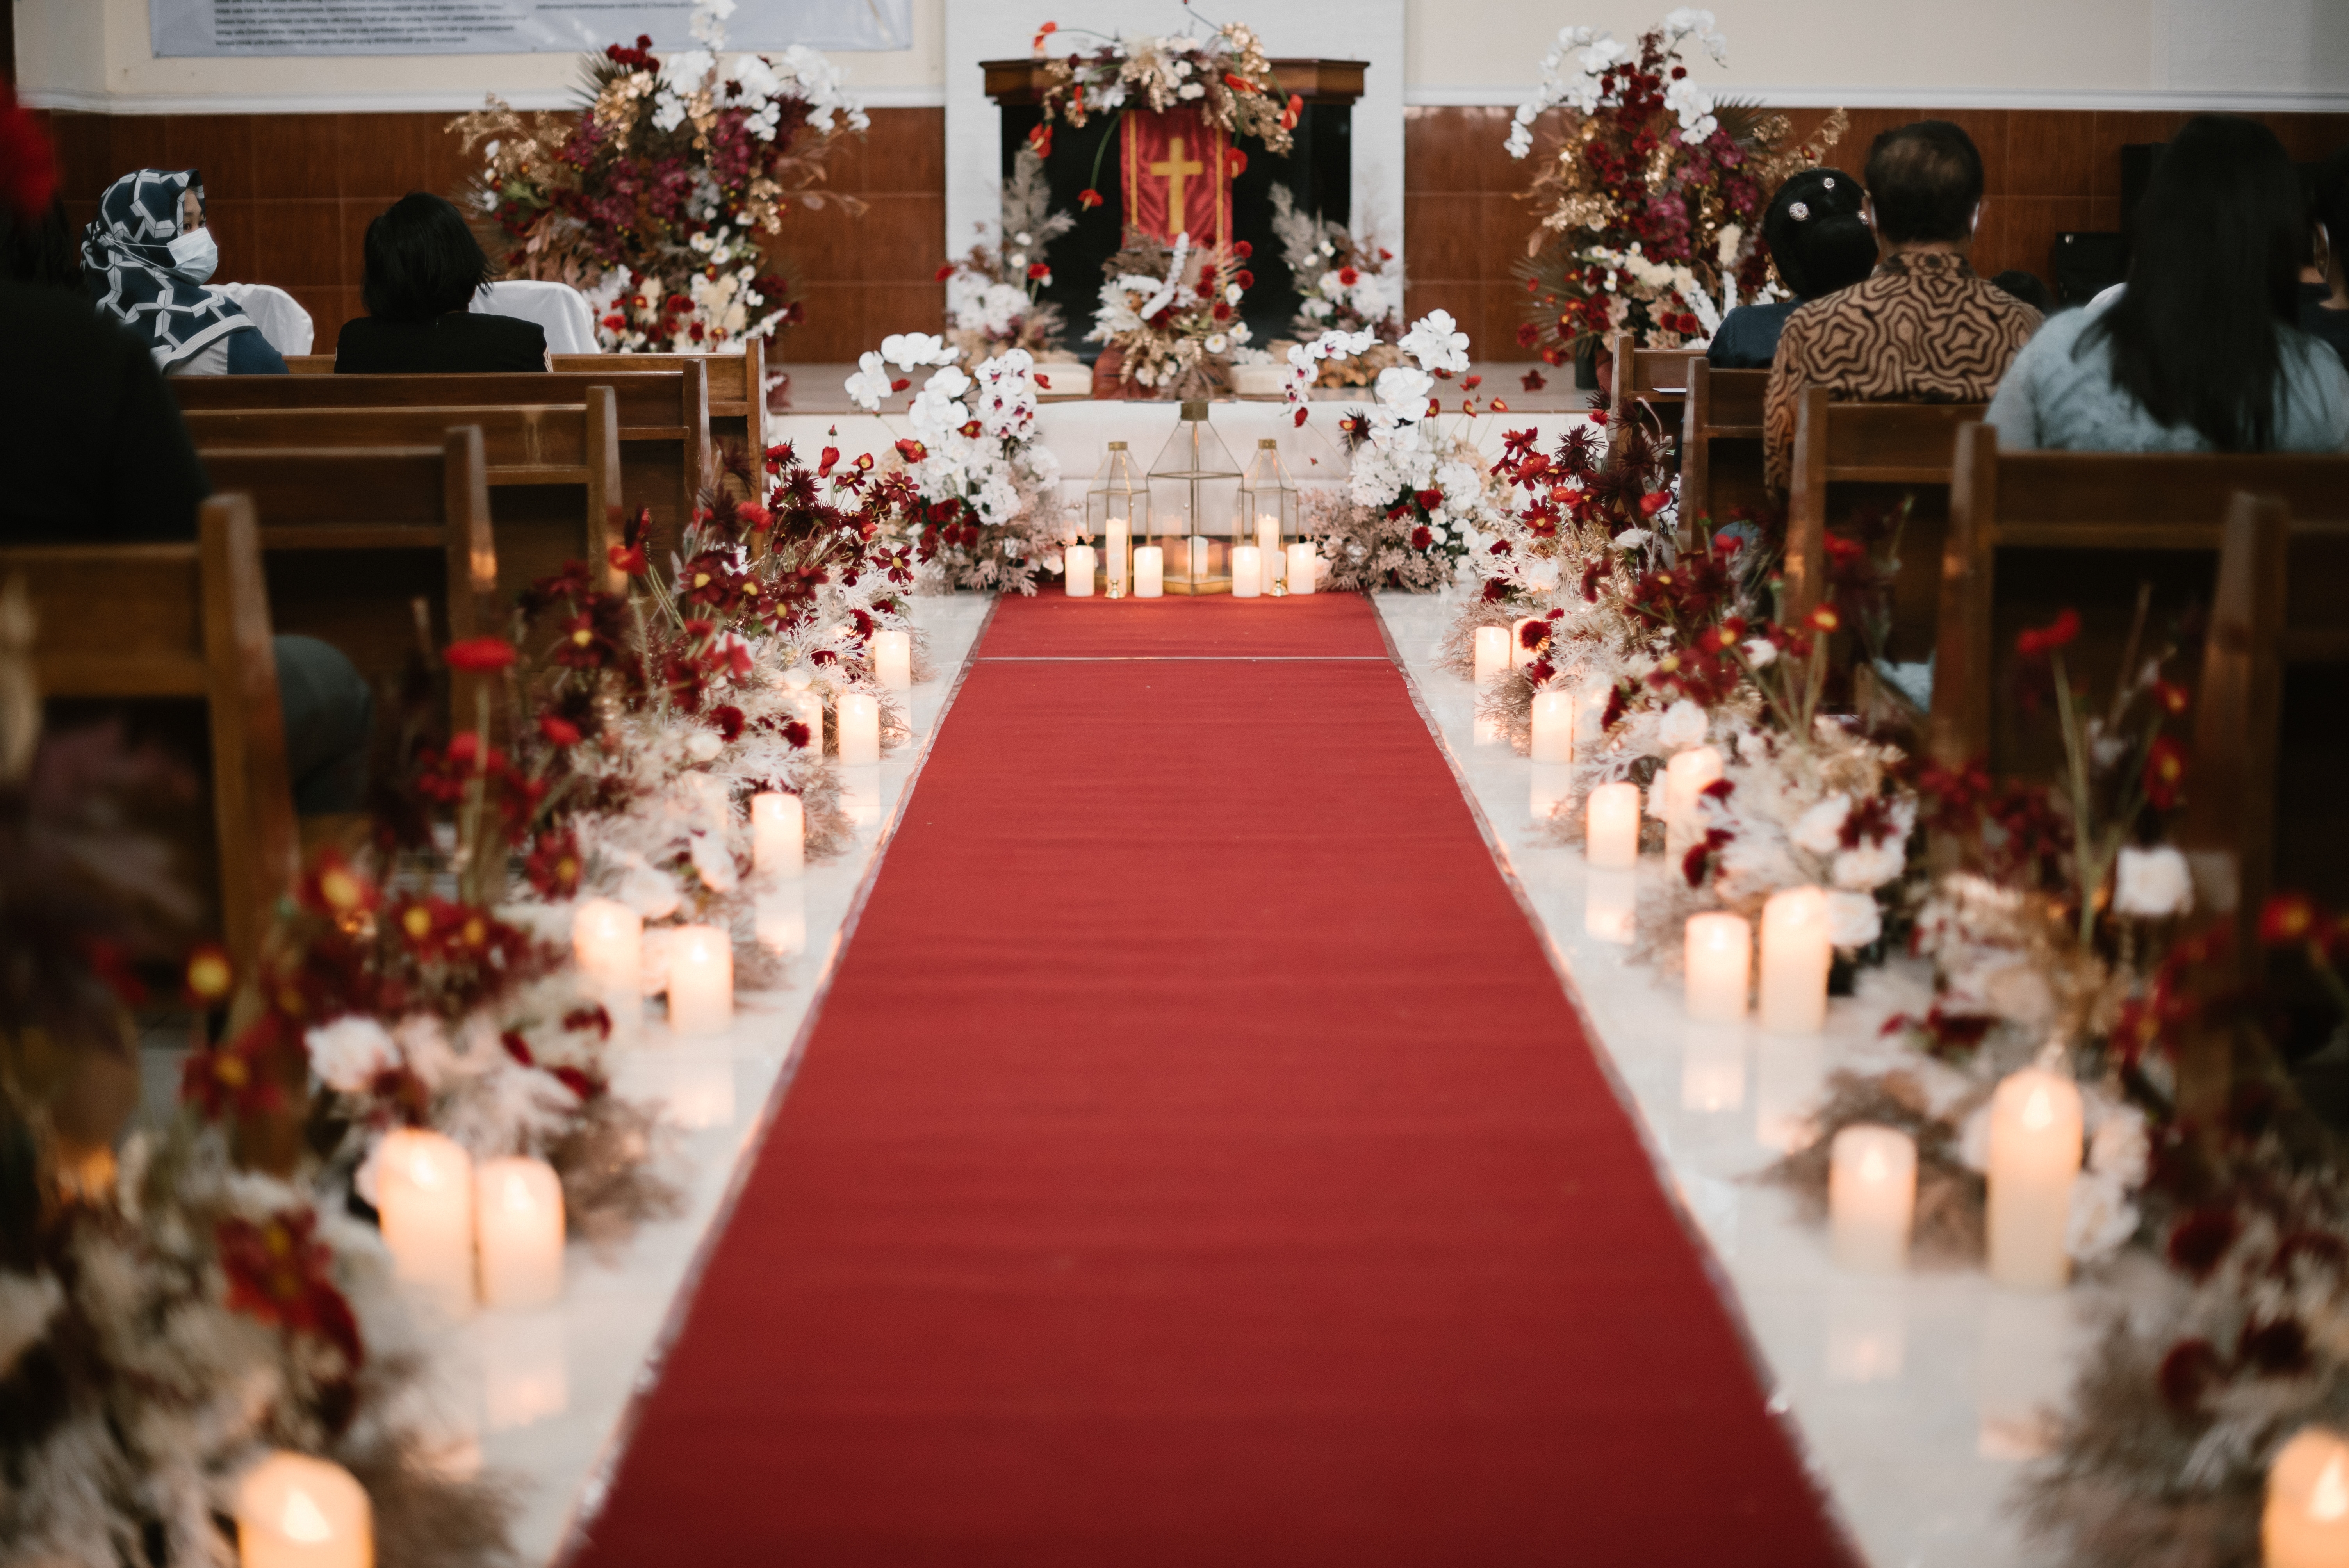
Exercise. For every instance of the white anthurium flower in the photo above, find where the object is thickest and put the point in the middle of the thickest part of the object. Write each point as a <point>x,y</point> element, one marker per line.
<point>2152,884</point>
<point>870,384</point>
<point>1436,342</point>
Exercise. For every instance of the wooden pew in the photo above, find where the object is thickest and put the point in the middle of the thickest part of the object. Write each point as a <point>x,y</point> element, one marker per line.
<point>2032,534</point>
<point>187,622</point>
<point>1720,445</point>
<point>738,386</point>
<point>1853,455</point>
<point>1658,378</point>
<point>351,537</point>
<point>664,415</point>
<point>554,470</point>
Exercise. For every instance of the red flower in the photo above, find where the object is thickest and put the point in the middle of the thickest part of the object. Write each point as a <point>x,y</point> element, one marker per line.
<point>1244,278</point>
<point>912,451</point>
<point>2170,697</point>
<point>946,271</point>
<point>1089,198</point>
<point>2039,641</point>
<point>1499,405</point>
<point>2289,918</point>
<point>1533,380</point>
<point>1429,500</point>
<point>1300,417</point>
<point>1421,539</point>
<point>558,731</point>
<point>1654,501</point>
<point>209,977</point>
<point>796,734</point>
<point>1825,619</point>
<point>1292,111</point>
<point>2187,1374</point>
<point>970,428</point>
<point>478,655</point>
<point>1041,139</point>
<point>1037,273</point>
<point>828,460</point>
<point>553,867</point>
<point>1242,249</point>
<point>2200,1242</point>
<point>626,559</point>
<point>726,719</point>
<point>280,1274</point>
<point>614,322</point>
<point>2165,772</point>
<point>1236,160</point>
<point>1348,277</point>
<point>1472,383</point>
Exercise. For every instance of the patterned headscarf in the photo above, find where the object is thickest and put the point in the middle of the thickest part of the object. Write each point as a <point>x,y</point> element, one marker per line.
<point>126,254</point>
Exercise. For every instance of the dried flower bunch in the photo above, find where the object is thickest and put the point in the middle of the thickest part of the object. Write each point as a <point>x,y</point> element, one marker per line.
<point>1224,73</point>
<point>1344,287</point>
<point>658,196</point>
<point>1171,314</point>
<point>1648,210</point>
<point>987,491</point>
<point>992,304</point>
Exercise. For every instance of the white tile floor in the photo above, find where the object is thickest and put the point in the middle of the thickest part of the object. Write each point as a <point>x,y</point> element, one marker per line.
<point>1914,1398</point>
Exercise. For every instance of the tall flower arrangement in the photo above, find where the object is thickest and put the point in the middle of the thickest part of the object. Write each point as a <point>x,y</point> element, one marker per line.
<point>1344,286</point>
<point>1225,73</point>
<point>657,197</point>
<point>1171,314</point>
<point>992,304</point>
<point>987,493</point>
<point>1647,211</point>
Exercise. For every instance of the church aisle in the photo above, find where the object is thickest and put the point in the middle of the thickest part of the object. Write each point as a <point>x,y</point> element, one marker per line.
<point>1197,1159</point>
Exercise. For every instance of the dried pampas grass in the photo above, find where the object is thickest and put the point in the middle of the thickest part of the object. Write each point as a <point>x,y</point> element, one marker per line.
<point>1950,1196</point>
<point>605,1162</point>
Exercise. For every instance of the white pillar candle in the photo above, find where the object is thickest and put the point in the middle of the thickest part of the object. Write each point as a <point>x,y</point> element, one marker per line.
<point>1268,543</point>
<point>1871,1197</point>
<point>1077,571</point>
<point>1202,556</point>
<point>700,980</point>
<point>424,1197</point>
<point>1610,904</point>
<point>778,834</point>
<point>607,938</point>
<point>1685,777</point>
<point>2034,1157</point>
<point>1149,570</point>
<point>778,920</point>
<point>860,729</point>
<point>1304,566</point>
<point>1719,948</point>
<point>2306,1522</point>
<point>1492,650</point>
<point>892,659</point>
<point>1552,789</point>
<point>1248,572</point>
<point>297,1512</point>
<point>1121,553</point>
<point>518,1221</point>
<point>1611,837</point>
<point>1553,727</point>
<point>1795,958</point>
<point>1521,655</point>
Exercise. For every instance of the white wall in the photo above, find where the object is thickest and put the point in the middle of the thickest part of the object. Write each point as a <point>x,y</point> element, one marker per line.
<point>2105,54</point>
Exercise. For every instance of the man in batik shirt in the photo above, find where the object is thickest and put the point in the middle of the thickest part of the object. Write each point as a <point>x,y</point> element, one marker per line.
<point>1923,328</point>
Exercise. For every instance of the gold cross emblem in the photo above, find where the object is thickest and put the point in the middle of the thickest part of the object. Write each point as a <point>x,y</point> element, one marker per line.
<point>1175,169</point>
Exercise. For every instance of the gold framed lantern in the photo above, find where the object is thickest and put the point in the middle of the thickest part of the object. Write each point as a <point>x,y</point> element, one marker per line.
<point>1195,500</point>
<point>1117,518</point>
<point>1268,513</point>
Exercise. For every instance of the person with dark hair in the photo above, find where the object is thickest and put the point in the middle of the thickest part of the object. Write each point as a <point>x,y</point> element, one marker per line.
<point>2198,352</point>
<point>1923,328</point>
<point>103,456</point>
<point>2324,310</point>
<point>1819,243</point>
<point>2026,287</point>
<point>423,269</point>
<point>147,258</point>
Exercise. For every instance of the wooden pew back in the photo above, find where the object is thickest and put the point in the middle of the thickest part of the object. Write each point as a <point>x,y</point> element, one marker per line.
<point>1850,456</point>
<point>2033,533</point>
<point>1720,445</point>
<point>190,622</point>
<point>1655,377</point>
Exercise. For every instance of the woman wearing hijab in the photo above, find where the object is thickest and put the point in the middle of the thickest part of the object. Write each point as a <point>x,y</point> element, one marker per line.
<point>147,257</point>
<point>1819,243</point>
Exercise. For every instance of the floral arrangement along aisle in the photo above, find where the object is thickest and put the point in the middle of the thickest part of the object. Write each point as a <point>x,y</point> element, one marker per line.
<point>1649,208</point>
<point>1170,317</point>
<point>992,304</point>
<point>1418,498</point>
<point>987,493</point>
<point>1225,73</point>
<point>658,196</point>
<point>1344,287</point>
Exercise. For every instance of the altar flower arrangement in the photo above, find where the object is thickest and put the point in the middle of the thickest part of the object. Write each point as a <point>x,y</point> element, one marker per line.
<point>1171,314</point>
<point>1344,286</point>
<point>992,293</point>
<point>987,493</point>
<point>1224,73</point>
<point>657,197</point>
<point>1649,210</point>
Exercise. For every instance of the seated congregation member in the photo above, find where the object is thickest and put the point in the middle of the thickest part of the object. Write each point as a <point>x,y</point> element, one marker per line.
<point>424,268</point>
<point>1819,243</point>
<point>102,457</point>
<point>2198,352</point>
<point>1923,328</point>
<point>147,257</point>
<point>2324,312</point>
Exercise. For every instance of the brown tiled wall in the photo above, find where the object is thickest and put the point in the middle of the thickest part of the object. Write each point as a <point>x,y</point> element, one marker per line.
<point>2045,172</point>
<point>291,196</point>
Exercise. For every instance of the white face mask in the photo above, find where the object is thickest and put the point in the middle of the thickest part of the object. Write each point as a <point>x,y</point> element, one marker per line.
<point>193,257</point>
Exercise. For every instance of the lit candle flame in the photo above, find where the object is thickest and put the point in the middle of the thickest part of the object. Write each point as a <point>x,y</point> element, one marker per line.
<point>303,1520</point>
<point>422,1169</point>
<point>2329,1499</point>
<point>1871,1165</point>
<point>2039,1111</point>
<point>518,1196</point>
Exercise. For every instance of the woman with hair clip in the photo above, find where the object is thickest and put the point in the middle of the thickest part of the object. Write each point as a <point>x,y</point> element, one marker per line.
<point>2199,351</point>
<point>147,257</point>
<point>1820,243</point>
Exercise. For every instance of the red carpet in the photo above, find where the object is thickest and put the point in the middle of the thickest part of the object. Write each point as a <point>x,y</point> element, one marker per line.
<point>1196,1162</point>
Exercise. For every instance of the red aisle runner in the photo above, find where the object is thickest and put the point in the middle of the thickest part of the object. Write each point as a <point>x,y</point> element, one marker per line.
<point>1196,1162</point>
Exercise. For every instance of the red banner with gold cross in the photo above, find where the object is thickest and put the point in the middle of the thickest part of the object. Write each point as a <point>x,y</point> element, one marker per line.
<point>1176,171</point>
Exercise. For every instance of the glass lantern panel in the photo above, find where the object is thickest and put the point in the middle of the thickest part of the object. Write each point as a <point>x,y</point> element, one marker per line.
<point>1194,502</point>
<point>1117,518</point>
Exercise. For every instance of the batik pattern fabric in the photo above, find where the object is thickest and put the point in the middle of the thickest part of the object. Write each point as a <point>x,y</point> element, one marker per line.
<point>1920,329</point>
<point>126,256</point>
